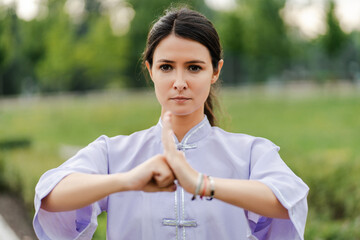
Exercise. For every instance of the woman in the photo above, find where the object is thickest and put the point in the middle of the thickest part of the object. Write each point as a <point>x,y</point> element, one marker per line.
<point>256,196</point>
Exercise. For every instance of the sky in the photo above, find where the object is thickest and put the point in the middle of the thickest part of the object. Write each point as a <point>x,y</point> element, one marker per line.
<point>308,15</point>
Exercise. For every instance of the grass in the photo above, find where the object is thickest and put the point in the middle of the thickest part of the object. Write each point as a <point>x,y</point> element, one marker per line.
<point>318,134</point>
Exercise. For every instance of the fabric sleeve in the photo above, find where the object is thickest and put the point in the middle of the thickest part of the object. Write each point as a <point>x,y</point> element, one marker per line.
<point>268,168</point>
<point>77,224</point>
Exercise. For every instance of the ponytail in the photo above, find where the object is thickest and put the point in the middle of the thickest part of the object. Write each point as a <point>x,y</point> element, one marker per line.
<point>210,102</point>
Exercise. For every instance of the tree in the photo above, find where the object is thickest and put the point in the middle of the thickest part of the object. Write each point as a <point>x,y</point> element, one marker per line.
<point>10,56</point>
<point>230,28</point>
<point>80,55</point>
<point>33,51</point>
<point>265,39</point>
<point>100,55</point>
<point>334,39</point>
<point>256,32</point>
<point>332,46</point>
<point>55,69</point>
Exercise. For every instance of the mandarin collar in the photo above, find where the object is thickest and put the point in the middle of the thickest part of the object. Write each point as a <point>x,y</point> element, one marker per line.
<point>194,135</point>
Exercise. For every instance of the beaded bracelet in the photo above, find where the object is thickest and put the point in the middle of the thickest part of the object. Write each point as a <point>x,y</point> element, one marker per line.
<point>204,189</point>
<point>212,188</point>
<point>198,185</point>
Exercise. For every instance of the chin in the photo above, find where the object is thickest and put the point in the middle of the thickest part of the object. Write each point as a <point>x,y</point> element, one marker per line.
<point>180,113</point>
<point>184,112</point>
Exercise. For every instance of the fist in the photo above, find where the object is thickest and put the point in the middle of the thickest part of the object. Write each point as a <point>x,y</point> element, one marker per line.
<point>154,175</point>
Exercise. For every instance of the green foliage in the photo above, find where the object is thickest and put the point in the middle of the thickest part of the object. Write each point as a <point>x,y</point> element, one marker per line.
<point>57,52</point>
<point>329,57</point>
<point>335,38</point>
<point>10,57</point>
<point>255,32</point>
<point>81,56</point>
<point>55,68</point>
<point>230,25</point>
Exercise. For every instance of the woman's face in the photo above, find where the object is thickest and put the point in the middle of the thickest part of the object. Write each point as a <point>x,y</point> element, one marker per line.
<point>182,74</point>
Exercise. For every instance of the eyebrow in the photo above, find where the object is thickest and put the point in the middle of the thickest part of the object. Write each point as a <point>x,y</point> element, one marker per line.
<point>188,62</point>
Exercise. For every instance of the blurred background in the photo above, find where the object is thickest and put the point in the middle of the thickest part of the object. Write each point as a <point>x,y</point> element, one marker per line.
<point>80,45</point>
<point>70,71</point>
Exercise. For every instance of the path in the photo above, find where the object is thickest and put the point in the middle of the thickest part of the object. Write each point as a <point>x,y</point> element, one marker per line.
<point>5,231</point>
<point>14,219</point>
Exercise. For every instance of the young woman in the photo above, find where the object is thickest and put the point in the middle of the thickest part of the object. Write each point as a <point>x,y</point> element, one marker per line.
<point>151,182</point>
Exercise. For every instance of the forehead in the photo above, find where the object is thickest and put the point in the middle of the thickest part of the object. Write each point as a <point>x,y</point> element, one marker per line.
<point>177,48</point>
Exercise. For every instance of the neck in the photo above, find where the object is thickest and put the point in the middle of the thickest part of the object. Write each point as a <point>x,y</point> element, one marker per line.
<point>181,124</point>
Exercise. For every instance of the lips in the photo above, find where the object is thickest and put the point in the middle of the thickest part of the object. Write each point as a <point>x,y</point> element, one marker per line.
<point>180,99</point>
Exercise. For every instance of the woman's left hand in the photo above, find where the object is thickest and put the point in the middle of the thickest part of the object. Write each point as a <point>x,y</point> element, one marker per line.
<point>184,173</point>
<point>251,195</point>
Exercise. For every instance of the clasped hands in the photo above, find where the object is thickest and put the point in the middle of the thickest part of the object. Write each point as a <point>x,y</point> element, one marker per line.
<point>159,172</point>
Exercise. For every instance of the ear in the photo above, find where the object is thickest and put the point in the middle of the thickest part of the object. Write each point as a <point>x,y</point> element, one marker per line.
<point>149,69</point>
<point>217,72</point>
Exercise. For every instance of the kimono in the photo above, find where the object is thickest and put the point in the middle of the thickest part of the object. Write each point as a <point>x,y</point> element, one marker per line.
<point>172,215</point>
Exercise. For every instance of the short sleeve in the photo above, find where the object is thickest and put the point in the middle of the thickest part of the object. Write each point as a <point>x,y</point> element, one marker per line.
<point>77,224</point>
<point>268,168</point>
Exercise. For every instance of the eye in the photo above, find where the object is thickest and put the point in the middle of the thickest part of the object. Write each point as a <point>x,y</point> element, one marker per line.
<point>194,68</point>
<point>165,67</point>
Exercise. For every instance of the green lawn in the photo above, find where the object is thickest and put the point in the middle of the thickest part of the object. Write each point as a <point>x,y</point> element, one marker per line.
<point>319,136</point>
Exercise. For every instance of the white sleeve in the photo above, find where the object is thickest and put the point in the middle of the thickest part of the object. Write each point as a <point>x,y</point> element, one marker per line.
<point>268,168</point>
<point>77,224</point>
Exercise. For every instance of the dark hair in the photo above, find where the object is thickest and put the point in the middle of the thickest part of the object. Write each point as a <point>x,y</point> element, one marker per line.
<point>192,25</point>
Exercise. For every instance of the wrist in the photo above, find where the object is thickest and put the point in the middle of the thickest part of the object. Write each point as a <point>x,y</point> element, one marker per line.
<point>120,183</point>
<point>199,182</point>
<point>205,187</point>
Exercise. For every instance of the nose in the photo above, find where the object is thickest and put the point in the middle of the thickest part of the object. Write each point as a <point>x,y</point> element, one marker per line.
<point>180,82</point>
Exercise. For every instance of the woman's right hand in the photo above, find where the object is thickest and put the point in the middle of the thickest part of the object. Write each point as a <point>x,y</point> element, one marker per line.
<point>78,190</point>
<point>154,175</point>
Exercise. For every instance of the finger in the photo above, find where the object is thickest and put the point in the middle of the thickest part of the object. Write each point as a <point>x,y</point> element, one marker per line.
<point>167,135</point>
<point>167,132</point>
<point>164,180</point>
<point>163,174</point>
<point>152,187</point>
<point>171,188</point>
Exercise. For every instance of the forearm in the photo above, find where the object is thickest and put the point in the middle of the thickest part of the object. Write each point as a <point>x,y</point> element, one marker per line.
<point>78,190</point>
<point>250,195</point>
